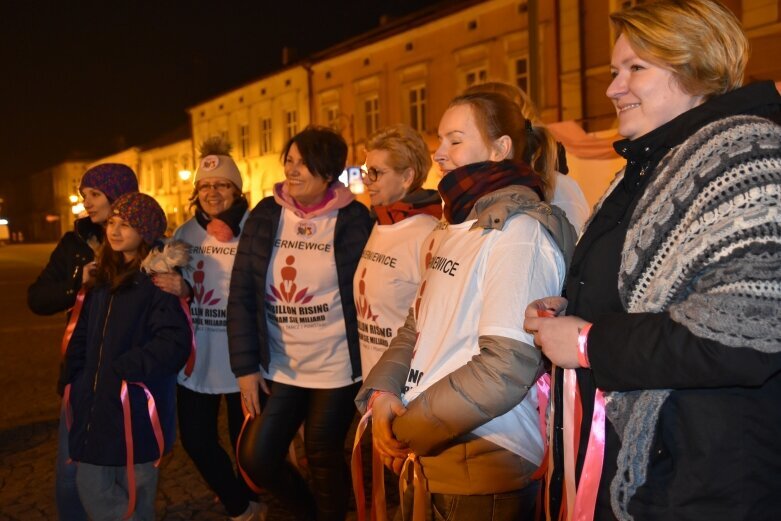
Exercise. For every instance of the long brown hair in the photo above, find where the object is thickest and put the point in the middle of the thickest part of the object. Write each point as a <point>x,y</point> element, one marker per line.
<point>496,116</point>
<point>542,148</point>
<point>113,270</point>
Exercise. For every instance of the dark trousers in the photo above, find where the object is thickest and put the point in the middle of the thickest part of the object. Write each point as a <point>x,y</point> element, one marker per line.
<point>327,414</point>
<point>518,505</point>
<point>198,414</point>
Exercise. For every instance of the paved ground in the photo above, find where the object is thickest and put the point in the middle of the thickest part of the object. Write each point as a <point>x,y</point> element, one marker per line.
<point>29,355</point>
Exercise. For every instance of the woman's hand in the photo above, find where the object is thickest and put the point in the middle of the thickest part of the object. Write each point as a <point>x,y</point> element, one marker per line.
<point>385,408</point>
<point>172,283</point>
<point>546,307</point>
<point>88,272</point>
<point>250,397</point>
<point>556,335</point>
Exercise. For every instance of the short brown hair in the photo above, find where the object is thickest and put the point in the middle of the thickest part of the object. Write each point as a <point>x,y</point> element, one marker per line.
<point>406,149</point>
<point>700,41</point>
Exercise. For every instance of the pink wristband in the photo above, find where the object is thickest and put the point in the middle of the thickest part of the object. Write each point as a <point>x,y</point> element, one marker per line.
<point>583,346</point>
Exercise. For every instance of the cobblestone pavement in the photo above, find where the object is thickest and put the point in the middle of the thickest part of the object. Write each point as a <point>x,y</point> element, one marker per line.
<point>29,407</point>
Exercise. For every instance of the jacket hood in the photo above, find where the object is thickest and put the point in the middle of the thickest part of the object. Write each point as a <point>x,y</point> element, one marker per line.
<point>493,209</point>
<point>340,197</point>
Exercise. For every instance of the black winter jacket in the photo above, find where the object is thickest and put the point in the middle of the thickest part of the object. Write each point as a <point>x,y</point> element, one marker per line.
<point>247,328</point>
<point>725,401</point>
<point>55,288</point>
<point>138,334</point>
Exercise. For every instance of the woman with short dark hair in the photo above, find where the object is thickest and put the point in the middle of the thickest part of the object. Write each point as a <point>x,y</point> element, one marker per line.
<point>292,326</point>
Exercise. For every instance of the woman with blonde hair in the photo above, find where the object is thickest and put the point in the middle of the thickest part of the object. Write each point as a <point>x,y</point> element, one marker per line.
<point>397,163</point>
<point>671,333</point>
<point>548,161</point>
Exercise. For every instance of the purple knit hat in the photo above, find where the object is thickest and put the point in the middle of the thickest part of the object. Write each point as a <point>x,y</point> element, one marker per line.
<point>113,179</point>
<point>143,213</point>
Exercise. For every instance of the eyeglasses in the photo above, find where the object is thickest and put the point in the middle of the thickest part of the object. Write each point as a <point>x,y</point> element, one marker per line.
<point>370,174</point>
<point>205,187</point>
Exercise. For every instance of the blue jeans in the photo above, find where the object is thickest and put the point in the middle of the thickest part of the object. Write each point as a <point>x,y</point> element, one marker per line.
<point>67,495</point>
<point>516,505</point>
<point>103,491</point>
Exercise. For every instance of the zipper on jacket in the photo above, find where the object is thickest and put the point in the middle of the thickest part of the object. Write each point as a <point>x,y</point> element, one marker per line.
<point>100,359</point>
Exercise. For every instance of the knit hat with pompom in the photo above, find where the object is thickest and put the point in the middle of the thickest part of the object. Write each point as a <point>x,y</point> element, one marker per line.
<point>217,162</point>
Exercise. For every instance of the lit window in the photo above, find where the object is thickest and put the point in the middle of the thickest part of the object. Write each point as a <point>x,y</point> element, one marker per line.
<point>244,140</point>
<point>330,117</point>
<point>417,107</point>
<point>371,109</point>
<point>265,136</point>
<point>158,173</point>
<point>291,124</point>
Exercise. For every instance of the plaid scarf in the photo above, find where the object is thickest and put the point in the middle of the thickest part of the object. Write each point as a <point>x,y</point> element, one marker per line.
<point>462,187</point>
<point>418,202</point>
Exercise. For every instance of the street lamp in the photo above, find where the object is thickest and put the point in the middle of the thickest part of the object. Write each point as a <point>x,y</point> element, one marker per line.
<point>184,175</point>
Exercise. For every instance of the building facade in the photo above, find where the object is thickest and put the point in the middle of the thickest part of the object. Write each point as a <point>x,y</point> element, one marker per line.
<point>407,70</point>
<point>257,119</point>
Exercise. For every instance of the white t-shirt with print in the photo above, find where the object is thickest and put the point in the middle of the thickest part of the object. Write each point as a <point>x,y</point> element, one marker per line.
<point>386,281</point>
<point>306,329</point>
<point>479,282</point>
<point>209,273</point>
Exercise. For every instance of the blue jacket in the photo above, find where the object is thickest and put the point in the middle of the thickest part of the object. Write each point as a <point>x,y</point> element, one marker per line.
<point>139,334</point>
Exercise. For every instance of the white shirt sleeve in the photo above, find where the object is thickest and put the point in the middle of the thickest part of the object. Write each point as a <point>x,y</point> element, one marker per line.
<point>522,264</point>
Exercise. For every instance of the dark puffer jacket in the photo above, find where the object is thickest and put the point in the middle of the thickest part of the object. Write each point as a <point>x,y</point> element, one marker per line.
<point>55,288</point>
<point>247,328</point>
<point>138,334</point>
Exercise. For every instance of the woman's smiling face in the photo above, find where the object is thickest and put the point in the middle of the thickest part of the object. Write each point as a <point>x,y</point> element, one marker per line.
<point>645,95</point>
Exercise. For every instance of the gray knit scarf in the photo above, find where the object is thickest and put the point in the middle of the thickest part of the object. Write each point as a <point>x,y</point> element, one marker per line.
<point>704,245</point>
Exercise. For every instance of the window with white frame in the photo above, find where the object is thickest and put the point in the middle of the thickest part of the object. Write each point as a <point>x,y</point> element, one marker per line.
<point>244,140</point>
<point>265,136</point>
<point>371,113</point>
<point>416,107</point>
<point>330,115</point>
<point>291,124</point>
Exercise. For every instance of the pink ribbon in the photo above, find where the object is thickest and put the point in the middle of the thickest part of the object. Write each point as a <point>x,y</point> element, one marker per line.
<point>580,501</point>
<point>156,428</point>
<point>73,320</point>
<point>190,365</point>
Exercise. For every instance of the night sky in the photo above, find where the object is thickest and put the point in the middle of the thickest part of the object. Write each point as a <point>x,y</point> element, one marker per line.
<point>83,79</point>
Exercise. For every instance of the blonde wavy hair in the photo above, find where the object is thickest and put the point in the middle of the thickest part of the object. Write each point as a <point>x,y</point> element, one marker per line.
<point>406,149</point>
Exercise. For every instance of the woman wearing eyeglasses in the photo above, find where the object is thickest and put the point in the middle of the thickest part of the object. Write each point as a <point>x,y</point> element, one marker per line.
<point>397,162</point>
<point>220,213</point>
